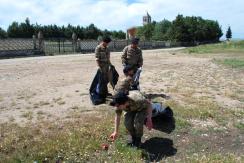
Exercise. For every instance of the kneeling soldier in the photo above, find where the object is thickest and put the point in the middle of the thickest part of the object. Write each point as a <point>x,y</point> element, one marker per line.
<point>125,83</point>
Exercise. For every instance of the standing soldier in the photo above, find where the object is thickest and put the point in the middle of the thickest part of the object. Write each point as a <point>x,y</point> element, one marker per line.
<point>138,109</point>
<point>132,55</point>
<point>102,55</point>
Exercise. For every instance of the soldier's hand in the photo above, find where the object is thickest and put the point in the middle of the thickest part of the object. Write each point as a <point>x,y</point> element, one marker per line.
<point>149,123</point>
<point>113,136</point>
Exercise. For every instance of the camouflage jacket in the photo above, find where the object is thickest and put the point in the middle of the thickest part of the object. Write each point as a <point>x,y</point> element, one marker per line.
<point>137,102</point>
<point>123,85</point>
<point>102,54</point>
<point>132,56</point>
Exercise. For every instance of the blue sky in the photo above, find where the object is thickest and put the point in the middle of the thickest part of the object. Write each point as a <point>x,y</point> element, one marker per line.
<point>121,14</point>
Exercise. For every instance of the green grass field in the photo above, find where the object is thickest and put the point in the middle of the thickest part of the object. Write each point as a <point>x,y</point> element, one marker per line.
<point>231,62</point>
<point>224,47</point>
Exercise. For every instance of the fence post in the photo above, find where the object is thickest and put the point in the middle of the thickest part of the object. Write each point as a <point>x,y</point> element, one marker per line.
<point>59,45</point>
<point>63,45</point>
<point>74,42</point>
<point>79,45</point>
<point>34,41</point>
<point>41,41</point>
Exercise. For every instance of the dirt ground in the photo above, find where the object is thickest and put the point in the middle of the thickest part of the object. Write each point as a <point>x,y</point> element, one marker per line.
<point>49,87</point>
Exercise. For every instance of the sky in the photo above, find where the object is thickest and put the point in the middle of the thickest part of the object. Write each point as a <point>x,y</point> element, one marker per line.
<point>121,14</point>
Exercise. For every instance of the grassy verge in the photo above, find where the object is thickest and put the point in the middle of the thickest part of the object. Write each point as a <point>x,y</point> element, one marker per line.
<point>231,62</point>
<point>224,47</point>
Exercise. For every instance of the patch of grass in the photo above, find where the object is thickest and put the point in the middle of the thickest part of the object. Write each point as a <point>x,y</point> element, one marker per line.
<point>61,102</point>
<point>75,107</point>
<point>223,47</point>
<point>42,103</point>
<point>77,141</point>
<point>182,124</point>
<point>196,108</point>
<point>40,112</point>
<point>36,105</point>
<point>57,99</point>
<point>13,103</point>
<point>28,115</point>
<point>240,126</point>
<point>231,62</point>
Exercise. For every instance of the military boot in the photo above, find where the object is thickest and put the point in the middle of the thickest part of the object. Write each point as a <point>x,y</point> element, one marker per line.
<point>136,142</point>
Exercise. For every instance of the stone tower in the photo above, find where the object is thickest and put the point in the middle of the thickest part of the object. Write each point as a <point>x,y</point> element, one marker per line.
<point>147,19</point>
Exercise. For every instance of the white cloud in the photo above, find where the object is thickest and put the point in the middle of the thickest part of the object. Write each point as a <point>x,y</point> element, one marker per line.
<point>119,14</point>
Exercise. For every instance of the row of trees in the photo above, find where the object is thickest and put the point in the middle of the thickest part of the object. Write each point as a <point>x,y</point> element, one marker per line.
<point>184,29</point>
<point>26,30</point>
<point>3,34</point>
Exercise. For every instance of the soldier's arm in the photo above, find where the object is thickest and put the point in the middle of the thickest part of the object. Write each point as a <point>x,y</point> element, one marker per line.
<point>97,56</point>
<point>109,56</point>
<point>124,55</point>
<point>140,62</point>
<point>115,134</point>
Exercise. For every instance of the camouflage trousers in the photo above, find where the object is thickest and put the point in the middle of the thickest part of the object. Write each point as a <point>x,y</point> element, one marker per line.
<point>134,122</point>
<point>106,75</point>
<point>104,68</point>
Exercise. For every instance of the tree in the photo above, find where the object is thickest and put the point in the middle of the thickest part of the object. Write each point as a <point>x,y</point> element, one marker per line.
<point>192,29</point>
<point>22,30</point>
<point>161,30</point>
<point>228,34</point>
<point>146,32</point>
<point>179,31</point>
<point>3,33</point>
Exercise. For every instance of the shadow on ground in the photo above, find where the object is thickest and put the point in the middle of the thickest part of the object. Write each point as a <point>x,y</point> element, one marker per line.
<point>153,95</point>
<point>155,149</point>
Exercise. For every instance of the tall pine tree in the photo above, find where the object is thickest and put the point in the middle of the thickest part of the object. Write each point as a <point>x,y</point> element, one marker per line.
<point>228,34</point>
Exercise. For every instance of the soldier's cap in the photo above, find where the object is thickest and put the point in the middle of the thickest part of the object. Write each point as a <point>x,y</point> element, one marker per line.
<point>106,39</point>
<point>119,98</point>
<point>127,68</point>
<point>135,40</point>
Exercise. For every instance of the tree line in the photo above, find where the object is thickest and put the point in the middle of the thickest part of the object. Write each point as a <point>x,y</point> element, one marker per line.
<point>183,29</point>
<point>26,30</point>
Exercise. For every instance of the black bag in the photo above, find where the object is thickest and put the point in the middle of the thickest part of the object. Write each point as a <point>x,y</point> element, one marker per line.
<point>97,90</point>
<point>115,76</point>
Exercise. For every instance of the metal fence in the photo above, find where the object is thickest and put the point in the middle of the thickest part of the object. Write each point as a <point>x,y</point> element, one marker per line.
<point>16,44</point>
<point>19,47</point>
<point>62,46</point>
<point>41,46</point>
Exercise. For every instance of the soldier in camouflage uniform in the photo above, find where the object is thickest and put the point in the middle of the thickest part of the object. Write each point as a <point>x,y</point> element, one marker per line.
<point>137,109</point>
<point>102,55</point>
<point>132,55</point>
<point>125,83</point>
